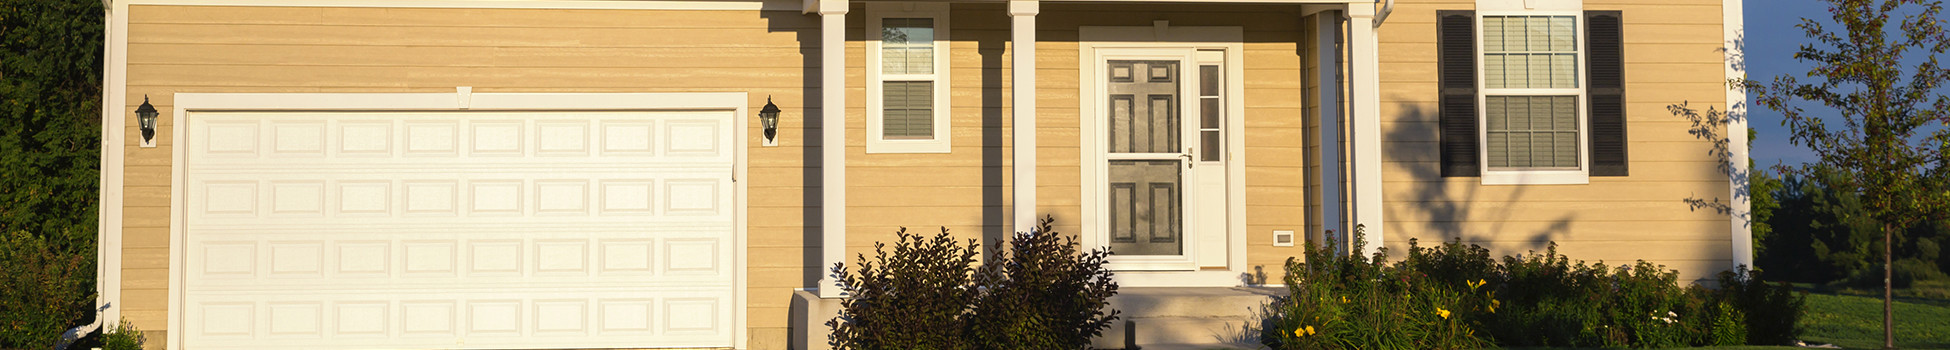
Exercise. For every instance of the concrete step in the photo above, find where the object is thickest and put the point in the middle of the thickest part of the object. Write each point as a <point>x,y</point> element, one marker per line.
<point>1152,302</point>
<point>1202,347</point>
<point>1145,332</point>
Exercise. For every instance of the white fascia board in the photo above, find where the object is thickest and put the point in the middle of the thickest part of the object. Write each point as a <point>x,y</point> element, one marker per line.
<point>749,5</point>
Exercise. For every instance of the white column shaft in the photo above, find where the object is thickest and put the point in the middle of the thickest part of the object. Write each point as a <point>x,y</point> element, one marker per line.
<point>1328,53</point>
<point>1023,111</point>
<point>1743,211</point>
<point>1366,123</point>
<point>832,140</point>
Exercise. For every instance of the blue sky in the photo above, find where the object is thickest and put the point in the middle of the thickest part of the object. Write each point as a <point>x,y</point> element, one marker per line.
<point>1772,40</point>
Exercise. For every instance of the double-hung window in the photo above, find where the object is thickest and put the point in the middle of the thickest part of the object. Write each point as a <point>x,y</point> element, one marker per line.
<point>1531,93</point>
<point>1531,96</point>
<point>907,87</point>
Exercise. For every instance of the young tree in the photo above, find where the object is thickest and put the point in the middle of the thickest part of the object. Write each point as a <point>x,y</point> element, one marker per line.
<point>1878,77</point>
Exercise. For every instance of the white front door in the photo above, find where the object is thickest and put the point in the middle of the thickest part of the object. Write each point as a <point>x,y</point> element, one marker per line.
<point>1164,172</point>
<point>459,230</point>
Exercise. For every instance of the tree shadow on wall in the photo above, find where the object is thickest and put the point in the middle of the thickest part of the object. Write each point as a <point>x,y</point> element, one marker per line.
<point>1451,207</point>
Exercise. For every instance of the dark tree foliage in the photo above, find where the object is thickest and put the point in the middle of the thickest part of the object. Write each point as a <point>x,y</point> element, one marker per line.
<point>50,93</point>
<point>1884,123</point>
<point>1824,235</point>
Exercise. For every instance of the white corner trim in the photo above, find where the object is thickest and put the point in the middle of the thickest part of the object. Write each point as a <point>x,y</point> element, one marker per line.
<point>943,140</point>
<point>187,103</point>
<point>705,5</point>
<point>1735,28</point>
<point>108,281</point>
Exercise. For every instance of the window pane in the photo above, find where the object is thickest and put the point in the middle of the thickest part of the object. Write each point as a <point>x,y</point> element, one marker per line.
<point>1493,72</point>
<point>907,110</point>
<point>1209,113</point>
<point>1493,34</point>
<point>1209,141</point>
<point>1208,80</point>
<point>1564,71</point>
<point>907,45</point>
<point>1563,35</point>
<point>1531,131</point>
<point>1530,52</point>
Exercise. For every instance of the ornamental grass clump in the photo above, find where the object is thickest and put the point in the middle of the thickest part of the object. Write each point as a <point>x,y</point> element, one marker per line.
<point>1454,296</point>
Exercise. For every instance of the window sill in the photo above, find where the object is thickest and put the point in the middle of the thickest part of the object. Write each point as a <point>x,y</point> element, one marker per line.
<point>907,146</point>
<point>1536,177</point>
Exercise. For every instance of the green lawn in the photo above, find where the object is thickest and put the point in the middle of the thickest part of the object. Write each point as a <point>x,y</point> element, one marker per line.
<point>1855,321</point>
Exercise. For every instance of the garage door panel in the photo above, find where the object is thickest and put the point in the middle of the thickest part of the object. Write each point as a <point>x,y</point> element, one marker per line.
<point>336,138</point>
<point>690,259</point>
<point>242,198</point>
<point>512,319</point>
<point>471,230</point>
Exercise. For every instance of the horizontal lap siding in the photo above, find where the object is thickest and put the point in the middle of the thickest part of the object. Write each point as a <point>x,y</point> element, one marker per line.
<point>1670,58</point>
<point>208,49</point>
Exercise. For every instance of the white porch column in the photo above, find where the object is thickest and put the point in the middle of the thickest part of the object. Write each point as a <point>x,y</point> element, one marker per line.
<point>1022,92</point>
<point>1735,28</point>
<point>832,140</point>
<point>1365,122</point>
<point>1328,50</point>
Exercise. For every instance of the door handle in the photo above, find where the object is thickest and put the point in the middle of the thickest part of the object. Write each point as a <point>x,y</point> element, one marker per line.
<point>1188,157</point>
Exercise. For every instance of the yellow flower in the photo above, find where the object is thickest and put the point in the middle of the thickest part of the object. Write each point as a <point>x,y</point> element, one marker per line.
<point>1443,313</point>
<point>1310,330</point>
<point>1494,304</point>
<point>1299,332</point>
<point>1474,284</point>
<point>1343,299</point>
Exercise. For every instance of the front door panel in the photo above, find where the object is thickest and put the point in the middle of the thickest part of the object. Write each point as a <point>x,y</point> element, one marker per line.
<point>1147,158</point>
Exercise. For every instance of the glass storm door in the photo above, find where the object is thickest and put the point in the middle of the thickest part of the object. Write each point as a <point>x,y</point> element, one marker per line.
<point>1149,159</point>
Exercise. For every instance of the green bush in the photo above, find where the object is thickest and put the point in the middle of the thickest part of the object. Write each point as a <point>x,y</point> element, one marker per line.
<point>1540,299</point>
<point>1040,294</point>
<point>124,336</point>
<point>1350,302</point>
<point>44,291</point>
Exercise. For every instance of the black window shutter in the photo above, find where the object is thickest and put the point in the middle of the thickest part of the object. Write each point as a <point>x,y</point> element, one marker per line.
<point>1606,69</point>
<point>1456,40</point>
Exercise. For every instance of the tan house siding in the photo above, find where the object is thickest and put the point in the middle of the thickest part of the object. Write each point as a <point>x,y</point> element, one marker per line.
<point>178,49</point>
<point>1671,57</point>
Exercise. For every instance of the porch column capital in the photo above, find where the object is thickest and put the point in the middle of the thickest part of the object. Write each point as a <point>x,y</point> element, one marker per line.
<point>826,7</point>
<point>1024,8</point>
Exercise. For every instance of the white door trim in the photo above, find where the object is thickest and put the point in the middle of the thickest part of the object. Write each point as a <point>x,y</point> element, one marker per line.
<point>1162,35</point>
<point>206,102</point>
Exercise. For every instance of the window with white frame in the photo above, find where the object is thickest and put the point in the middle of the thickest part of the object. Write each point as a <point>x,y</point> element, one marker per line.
<point>907,78</point>
<point>1531,92</point>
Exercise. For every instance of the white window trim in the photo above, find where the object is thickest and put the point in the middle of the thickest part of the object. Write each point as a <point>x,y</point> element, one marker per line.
<point>1493,176</point>
<point>876,142</point>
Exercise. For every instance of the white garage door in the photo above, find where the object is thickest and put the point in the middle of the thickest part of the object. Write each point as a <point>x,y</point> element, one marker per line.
<point>459,230</point>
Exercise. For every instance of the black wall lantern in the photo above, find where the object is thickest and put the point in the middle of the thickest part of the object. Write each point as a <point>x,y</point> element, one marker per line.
<point>769,116</point>
<point>146,115</point>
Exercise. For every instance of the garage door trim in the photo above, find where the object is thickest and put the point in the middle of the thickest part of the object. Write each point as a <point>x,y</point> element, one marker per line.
<point>186,104</point>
